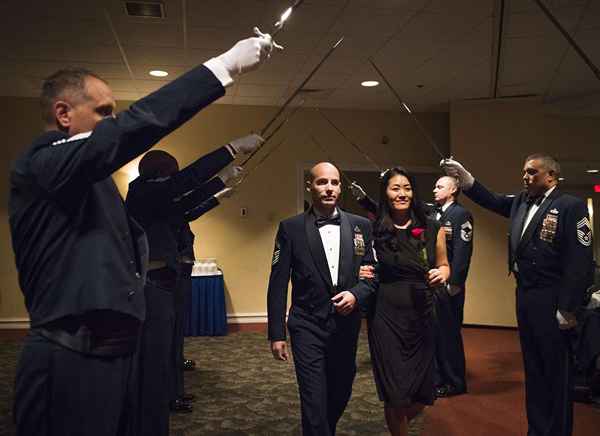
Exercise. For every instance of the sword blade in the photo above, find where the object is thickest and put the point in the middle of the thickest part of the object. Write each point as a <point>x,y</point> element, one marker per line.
<point>405,106</point>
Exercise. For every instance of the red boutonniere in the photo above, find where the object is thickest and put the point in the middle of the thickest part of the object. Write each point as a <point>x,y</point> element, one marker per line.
<point>417,232</point>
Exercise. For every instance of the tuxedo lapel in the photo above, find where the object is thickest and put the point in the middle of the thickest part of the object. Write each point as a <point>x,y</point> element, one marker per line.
<point>517,226</point>
<point>346,250</point>
<point>535,220</point>
<point>445,214</point>
<point>315,244</point>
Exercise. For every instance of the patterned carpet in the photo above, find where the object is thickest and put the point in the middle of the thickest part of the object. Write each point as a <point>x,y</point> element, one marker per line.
<point>241,390</point>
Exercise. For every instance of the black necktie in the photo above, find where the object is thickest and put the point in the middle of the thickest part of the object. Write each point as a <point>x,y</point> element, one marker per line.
<point>321,221</point>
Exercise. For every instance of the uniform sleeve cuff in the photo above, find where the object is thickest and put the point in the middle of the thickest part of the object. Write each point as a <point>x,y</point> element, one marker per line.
<point>217,67</point>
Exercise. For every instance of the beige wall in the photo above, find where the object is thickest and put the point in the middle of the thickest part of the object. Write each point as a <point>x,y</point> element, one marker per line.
<point>243,246</point>
<point>492,139</point>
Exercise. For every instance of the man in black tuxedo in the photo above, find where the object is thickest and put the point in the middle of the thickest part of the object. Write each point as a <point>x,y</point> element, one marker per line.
<point>550,255</point>
<point>457,223</point>
<point>322,250</point>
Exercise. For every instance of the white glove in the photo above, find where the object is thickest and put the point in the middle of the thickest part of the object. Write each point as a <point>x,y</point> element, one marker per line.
<point>357,190</point>
<point>454,168</point>
<point>247,144</point>
<point>248,53</point>
<point>230,174</point>
<point>224,193</point>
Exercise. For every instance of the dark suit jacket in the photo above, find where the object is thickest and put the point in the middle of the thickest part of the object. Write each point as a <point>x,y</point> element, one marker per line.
<point>76,248</point>
<point>457,222</point>
<point>555,251</point>
<point>299,254</point>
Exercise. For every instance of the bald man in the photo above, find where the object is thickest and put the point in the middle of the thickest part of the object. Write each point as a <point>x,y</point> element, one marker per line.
<point>321,250</point>
<point>457,223</point>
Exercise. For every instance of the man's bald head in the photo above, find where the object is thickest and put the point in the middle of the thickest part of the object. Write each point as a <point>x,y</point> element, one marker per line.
<point>321,168</point>
<point>324,186</point>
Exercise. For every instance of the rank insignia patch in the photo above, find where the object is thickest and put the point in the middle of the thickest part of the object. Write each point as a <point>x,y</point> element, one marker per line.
<point>584,231</point>
<point>466,231</point>
<point>276,253</point>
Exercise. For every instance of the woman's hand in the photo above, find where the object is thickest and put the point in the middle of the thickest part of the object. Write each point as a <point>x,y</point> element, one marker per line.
<point>437,276</point>
<point>366,272</point>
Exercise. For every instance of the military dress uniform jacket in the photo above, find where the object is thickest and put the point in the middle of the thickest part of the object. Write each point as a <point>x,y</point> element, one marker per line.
<point>299,254</point>
<point>555,251</point>
<point>164,206</point>
<point>76,248</point>
<point>457,223</point>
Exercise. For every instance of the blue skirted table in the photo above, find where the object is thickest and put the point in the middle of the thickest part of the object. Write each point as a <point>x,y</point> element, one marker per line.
<point>207,315</point>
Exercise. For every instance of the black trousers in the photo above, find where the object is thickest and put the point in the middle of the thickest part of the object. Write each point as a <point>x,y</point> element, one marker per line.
<point>60,392</point>
<point>154,358</point>
<point>182,301</point>
<point>548,364</point>
<point>449,349</point>
<point>325,360</point>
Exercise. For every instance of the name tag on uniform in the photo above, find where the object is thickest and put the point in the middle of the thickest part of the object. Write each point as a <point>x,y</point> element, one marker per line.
<point>549,226</point>
<point>359,242</point>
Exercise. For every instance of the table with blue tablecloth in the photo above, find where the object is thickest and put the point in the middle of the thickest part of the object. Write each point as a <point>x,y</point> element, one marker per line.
<point>206,313</point>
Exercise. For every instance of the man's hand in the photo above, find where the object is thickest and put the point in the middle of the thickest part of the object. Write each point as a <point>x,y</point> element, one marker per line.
<point>247,144</point>
<point>454,168</point>
<point>357,190</point>
<point>344,302</point>
<point>566,320</point>
<point>366,272</point>
<point>279,350</point>
<point>247,54</point>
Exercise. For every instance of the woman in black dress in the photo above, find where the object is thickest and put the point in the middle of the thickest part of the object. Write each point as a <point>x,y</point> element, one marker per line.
<point>411,254</point>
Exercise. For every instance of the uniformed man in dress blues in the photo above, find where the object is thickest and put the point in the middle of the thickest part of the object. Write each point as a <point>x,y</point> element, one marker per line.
<point>457,223</point>
<point>163,200</point>
<point>550,255</point>
<point>81,258</point>
<point>321,250</point>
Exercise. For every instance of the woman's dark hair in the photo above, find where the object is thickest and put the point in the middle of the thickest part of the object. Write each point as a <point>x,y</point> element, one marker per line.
<point>157,163</point>
<point>384,225</point>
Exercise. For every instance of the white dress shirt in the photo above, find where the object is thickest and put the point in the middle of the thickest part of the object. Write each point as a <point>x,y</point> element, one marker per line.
<point>330,236</point>
<point>533,209</point>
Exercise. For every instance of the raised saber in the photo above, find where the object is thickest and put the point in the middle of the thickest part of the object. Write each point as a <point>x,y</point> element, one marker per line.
<point>294,94</point>
<point>355,145</point>
<point>284,17</point>
<point>412,115</point>
<point>279,126</point>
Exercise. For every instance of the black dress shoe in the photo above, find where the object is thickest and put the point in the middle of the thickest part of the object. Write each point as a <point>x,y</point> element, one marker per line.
<point>445,391</point>
<point>180,406</point>
<point>188,398</point>
<point>189,365</point>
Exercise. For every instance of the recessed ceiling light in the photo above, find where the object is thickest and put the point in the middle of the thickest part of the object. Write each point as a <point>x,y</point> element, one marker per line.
<point>370,83</point>
<point>158,73</point>
<point>561,179</point>
<point>592,171</point>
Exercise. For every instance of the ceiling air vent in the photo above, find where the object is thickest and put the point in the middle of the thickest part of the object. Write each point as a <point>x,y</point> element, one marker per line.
<point>145,9</point>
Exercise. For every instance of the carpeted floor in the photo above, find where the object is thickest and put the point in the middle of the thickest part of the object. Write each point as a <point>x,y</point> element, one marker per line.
<point>241,390</point>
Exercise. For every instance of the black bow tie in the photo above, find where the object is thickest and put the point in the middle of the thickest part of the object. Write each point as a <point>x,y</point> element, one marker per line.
<point>438,209</point>
<point>321,221</point>
<point>534,199</point>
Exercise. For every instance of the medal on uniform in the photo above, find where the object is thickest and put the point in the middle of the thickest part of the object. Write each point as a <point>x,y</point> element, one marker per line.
<point>448,229</point>
<point>359,242</point>
<point>549,226</point>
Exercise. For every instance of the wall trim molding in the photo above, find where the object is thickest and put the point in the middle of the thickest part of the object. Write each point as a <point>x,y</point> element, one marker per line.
<point>232,318</point>
<point>14,323</point>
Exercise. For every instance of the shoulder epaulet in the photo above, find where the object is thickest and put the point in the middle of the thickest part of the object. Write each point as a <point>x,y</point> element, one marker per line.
<point>77,137</point>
